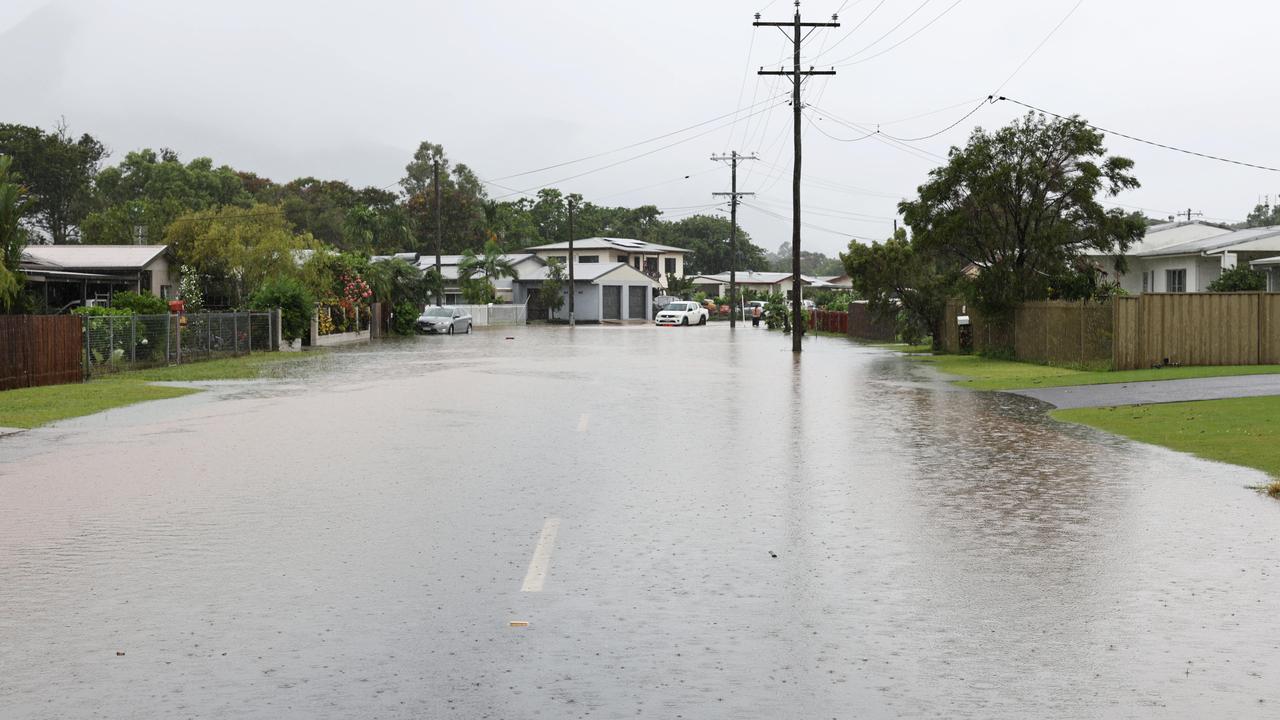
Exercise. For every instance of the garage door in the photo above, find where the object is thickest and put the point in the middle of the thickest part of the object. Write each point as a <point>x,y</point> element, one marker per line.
<point>612,302</point>
<point>636,304</point>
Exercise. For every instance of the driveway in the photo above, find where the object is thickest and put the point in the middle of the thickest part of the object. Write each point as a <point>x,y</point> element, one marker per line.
<point>615,522</point>
<point>1160,391</point>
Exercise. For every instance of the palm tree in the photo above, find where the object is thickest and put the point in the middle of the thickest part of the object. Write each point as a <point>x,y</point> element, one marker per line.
<point>490,266</point>
<point>13,237</point>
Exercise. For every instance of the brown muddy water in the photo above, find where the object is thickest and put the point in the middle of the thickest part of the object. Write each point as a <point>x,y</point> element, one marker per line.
<point>736,534</point>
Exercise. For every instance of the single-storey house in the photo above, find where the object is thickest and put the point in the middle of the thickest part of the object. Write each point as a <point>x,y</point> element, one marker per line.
<point>1271,268</point>
<point>656,261</point>
<point>762,282</point>
<point>1187,256</point>
<point>522,262</point>
<point>66,276</point>
<point>838,282</point>
<point>602,291</point>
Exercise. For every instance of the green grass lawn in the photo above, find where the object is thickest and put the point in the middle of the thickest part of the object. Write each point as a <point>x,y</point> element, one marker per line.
<point>987,374</point>
<point>33,407</point>
<point>1241,431</point>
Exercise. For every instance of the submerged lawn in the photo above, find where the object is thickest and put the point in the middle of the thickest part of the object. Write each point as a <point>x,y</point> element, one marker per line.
<point>1241,431</point>
<point>33,407</point>
<point>987,374</point>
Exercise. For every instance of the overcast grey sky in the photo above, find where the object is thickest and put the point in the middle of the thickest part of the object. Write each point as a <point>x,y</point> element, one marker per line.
<point>346,90</point>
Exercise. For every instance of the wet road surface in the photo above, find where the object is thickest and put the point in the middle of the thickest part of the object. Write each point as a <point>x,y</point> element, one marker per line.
<point>1159,391</point>
<point>692,523</point>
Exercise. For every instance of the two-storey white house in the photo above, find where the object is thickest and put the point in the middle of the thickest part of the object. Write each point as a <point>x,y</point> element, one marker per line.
<point>654,260</point>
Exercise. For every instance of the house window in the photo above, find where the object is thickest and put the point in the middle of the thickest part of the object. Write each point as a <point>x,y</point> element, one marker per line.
<point>166,291</point>
<point>588,258</point>
<point>637,262</point>
<point>669,266</point>
<point>622,259</point>
<point>1148,281</point>
<point>1175,281</point>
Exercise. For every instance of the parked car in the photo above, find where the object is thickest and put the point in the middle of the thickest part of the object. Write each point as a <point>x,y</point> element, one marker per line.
<point>444,319</point>
<point>682,312</point>
<point>809,305</point>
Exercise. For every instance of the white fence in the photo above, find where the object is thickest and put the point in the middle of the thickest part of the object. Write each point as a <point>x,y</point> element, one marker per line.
<point>497,314</point>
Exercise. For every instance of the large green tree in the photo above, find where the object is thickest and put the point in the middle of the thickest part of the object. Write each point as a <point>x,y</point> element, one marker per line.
<point>1020,206</point>
<point>811,263</point>
<point>138,198</point>
<point>707,239</point>
<point>462,202</point>
<point>58,171</point>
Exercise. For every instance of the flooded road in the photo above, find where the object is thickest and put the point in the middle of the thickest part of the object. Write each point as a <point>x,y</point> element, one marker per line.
<point>692,523</point>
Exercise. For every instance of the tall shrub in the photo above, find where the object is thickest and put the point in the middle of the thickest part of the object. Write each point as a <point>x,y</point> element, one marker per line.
<point>295,301</point>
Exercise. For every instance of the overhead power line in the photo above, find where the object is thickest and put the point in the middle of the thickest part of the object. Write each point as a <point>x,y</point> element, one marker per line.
<point>892,47</point>
<point>1032,54</point>
<point>527,191</point>
<point>1143,140</point>
<point>886,34</point>
<point>642,142</point>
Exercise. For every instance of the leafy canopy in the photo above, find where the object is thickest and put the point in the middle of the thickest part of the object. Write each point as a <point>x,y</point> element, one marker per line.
<point>1020,208</point>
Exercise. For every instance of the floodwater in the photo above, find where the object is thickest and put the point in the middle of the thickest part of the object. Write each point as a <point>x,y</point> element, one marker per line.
<point>741,535</point>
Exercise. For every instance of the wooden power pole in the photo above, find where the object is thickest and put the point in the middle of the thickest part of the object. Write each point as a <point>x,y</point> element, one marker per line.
<point>733,157</point>
<point>572,290</point>
<point>795,73</point>
<point>435,181</point>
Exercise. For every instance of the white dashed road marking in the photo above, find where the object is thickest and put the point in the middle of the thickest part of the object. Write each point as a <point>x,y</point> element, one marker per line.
<point>540,565</point>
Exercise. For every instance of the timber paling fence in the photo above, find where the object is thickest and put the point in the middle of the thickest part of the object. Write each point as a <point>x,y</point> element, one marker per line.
<point>1131,332</point>
<point>124,342</point>
<point>39,350</point>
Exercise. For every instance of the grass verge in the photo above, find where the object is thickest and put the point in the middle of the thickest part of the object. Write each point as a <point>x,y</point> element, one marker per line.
<point>1241,431</point>
<point>987,374</point>
<point>33,407</point>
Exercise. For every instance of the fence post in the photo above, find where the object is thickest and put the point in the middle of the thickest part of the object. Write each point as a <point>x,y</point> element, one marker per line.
<point>177,334</point>
<point>277,331</point>
<point>88,347</point>
<point>167,318</point>
<point>133,339</point>
<point>111,339</point>
<point>235,333</point>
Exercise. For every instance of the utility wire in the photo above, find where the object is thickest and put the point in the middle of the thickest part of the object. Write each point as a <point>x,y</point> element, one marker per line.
<point>1027,59</point>
<point>976,108</point>
<point>636,144</point>
<point>527,191</point>
<point>1142,140</point>
<point>921,29</point>
<point>885,35</point>
<point>853,30</point>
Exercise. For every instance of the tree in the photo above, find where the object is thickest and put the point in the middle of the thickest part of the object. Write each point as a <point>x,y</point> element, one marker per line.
<point>1264,215</point>
<point>552,291</point>
<point>680,287</point>
<point>234,250</point>
<point>395,281</point>
<point>462,201</point>
<point>811,263</point>
<point>295,301</point>
<point>900,275</point>
<point>138,199</point>
<point>14,204</point>
<point>1019,207</point>
<point>489,266</point>
<point>1240,278</point>
<point>59,172</point>
<point>706,237</point>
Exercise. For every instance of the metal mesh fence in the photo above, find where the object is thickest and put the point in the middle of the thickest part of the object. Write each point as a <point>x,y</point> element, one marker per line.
<point>123,342</point>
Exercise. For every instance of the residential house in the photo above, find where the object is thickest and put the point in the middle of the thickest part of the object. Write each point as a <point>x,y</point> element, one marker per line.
<point>765,283</point>
<point>1187,256</point>
<point>65,276</point>
<point>603,291</point>
<point>656,261</point>
<point>837,282</point>
<point>1271,268</point>
<point>522,262</point>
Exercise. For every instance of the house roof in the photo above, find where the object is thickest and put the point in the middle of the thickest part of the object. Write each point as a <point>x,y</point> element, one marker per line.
<point>1263,239</point>
<point>627,245</point>
<point>586,272</point>
<point>751,277</point>
<point>1266,261</point>
<point>104,257</point>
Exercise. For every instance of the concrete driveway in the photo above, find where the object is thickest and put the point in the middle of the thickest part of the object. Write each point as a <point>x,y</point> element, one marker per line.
<point>1160,391</point>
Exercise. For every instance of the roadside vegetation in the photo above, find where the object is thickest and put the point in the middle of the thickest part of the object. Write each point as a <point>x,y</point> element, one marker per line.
<point>981,373</point>
<point>1240,431</point>
<point>33,407</point>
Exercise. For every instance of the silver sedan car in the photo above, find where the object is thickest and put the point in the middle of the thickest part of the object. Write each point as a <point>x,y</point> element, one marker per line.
<point>444,319</point>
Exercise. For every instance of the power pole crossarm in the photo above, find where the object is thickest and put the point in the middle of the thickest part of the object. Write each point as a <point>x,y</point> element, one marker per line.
<point>797,318</point>
<point>733,194</point>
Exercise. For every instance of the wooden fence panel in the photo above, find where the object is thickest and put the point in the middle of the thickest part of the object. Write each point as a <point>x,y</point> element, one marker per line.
<point>1269,329</point>
<point>1124,335</point>
<point>40,350</point>
<point>1196,329</point>
<point>863,325</point>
